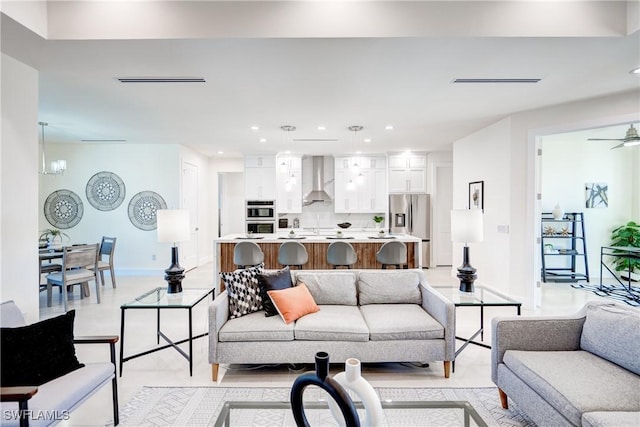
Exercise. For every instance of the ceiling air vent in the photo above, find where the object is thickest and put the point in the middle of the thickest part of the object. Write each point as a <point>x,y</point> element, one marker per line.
<point>161,79</point>
<point>496,80</point>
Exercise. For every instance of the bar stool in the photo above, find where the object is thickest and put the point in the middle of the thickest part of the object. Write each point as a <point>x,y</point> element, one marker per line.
<point>247,254</point>
<point>293,254</point>
<point>392,253</point>
<point>341,254</point>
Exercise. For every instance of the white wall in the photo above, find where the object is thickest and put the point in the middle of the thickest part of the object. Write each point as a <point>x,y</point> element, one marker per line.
<point>567,164</point>
<point>19,186</point>
<point>484,156</point>
<point>141,167</point>
<point>513,157</point>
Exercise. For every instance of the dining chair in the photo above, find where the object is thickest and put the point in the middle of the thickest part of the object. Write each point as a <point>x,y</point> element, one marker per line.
<point>392,253</point>
<point>341,254</point>
<point>76,261</point>
<point>107,247</point>
<point>247,254</point>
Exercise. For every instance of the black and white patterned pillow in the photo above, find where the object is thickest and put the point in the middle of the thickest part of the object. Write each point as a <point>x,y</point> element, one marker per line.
<point>244,292</point>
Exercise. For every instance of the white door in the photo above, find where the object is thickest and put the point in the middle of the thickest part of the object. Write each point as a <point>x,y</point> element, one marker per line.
<point>189,249</point>
<point>231,208</point>
<point>442,215</point>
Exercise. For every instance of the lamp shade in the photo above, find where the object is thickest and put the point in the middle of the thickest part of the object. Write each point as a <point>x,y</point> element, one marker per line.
<point>466,225</point>
<point>173,225</point>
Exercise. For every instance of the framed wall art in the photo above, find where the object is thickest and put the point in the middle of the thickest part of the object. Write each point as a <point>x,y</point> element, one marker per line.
<point>476,195</point>
<point>596,195</point>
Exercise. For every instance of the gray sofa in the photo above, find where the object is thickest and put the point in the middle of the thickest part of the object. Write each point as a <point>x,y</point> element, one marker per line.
<point>371,315</point>
<point>580,370</point>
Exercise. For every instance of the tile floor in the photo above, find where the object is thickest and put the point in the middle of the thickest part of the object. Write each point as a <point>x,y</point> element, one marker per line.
<point>168,368</point>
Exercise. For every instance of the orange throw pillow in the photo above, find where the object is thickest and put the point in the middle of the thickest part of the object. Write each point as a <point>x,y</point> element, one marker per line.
<point>293,303</point>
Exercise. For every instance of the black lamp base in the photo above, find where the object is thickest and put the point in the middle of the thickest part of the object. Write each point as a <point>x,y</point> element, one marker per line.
<point>174,274</point>
<point>466,273</point>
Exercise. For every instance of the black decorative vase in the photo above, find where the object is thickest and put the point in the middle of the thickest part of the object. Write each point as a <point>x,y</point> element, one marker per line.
<point>321,379</point>
<point>174,274</point>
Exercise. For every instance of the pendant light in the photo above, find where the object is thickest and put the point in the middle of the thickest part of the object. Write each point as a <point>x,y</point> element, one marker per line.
<point>355,167</point>
<point>57,166</point>
<point>285,167</point>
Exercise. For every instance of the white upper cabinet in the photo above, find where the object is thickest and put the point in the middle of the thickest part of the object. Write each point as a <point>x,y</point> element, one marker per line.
<point>289,184</point>
<point>259,178</point>
<point>360,185</point>
<point>408,173</point>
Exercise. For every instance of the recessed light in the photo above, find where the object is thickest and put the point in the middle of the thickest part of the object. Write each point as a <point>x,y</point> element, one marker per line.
<point>358,152</point>
<point>263,139</point>
<point>635,71</point>
<point>322,127</point>
<point>254,127</point>
<point>388,127</point>
<point>367,140</point>
<point>220,152</point>
<point>287,152</point>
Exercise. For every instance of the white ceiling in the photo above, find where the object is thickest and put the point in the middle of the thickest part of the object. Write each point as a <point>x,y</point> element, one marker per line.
<point>306,82</point>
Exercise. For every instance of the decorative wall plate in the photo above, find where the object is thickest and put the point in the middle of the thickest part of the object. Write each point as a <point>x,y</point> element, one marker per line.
<point>105,191</point>
<point>63,209</point>
<point>143,209</point>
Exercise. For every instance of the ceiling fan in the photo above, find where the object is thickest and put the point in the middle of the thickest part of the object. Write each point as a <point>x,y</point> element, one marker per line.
<point>631,138</point>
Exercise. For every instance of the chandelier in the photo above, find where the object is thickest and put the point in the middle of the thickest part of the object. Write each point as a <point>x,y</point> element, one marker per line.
<point>57,166</point>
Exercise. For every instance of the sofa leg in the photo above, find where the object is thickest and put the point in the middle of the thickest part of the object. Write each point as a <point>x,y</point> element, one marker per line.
<point>503,399</point>
<point>447,368</point>
<point>214,371</point>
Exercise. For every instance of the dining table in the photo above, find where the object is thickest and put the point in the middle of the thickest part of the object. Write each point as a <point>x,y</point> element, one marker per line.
<point>50,253</point>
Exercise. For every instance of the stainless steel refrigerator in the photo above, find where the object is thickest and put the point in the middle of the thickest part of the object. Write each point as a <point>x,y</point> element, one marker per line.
<point>411,214</point>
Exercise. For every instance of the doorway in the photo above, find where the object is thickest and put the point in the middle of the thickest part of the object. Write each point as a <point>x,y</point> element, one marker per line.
<point>189,249</point>
<point>230,203</point>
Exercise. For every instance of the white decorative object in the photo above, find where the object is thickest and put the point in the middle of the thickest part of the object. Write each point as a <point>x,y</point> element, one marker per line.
<point>381,233</point>
<point>351,379</point>
<point>339,233</point>
<point>557,212</point>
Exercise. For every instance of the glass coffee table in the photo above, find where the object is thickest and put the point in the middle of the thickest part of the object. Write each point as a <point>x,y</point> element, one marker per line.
<point>158,299</point>
<point>481,297</point>
<point>397,413</point>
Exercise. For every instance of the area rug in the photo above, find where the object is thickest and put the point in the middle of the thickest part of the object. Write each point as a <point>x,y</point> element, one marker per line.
<point>630,295</point>
<point>200,406</point>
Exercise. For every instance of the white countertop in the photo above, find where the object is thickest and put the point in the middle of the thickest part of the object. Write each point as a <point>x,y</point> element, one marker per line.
<point>324,236</point>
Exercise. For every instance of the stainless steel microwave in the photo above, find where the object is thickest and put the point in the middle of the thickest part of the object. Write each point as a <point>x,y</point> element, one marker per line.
<point>261,227</point>
<point>261,210</point>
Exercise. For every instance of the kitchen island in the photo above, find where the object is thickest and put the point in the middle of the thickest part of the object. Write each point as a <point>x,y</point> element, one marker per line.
<point>365,243</point>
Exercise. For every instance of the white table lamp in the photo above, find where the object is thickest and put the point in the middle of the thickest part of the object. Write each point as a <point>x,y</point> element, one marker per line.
<point>466,227</point>
<point>173,226</point>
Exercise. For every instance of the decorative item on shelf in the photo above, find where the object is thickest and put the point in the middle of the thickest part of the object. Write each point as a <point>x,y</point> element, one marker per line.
<point>351,379</point>
<point>627,235</point>
<point>63,209</point>
<point>57,166</point>
<point>52,236</point>
<point>322,379</point>
<point>564,231</point>
<point>378,220</point>
<point>557,212</point>
<point>173,226</point>
<point>549,231</point>
<point>466,227</point>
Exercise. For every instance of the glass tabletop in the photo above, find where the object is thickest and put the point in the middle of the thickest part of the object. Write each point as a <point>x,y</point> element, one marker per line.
<point>480,296</point>
<point>396,413</point>
<point>158,298</point>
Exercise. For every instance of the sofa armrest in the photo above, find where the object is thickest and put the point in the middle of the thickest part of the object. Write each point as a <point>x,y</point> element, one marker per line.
<point>534,333</point>
<point>17,394</point>
<point>444,311</point>
<point>218,316</point>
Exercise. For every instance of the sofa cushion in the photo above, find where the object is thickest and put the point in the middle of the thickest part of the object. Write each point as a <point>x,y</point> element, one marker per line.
<point>608,419</point>
<point>255,327</point>
<point>575,382</point>
<point>389,287</point>
<point>273,281</point>
<point>293,303</point>
<point>243,290</point>
<point>37,353</point>
<point>400,322</point>
<point>332,323</point>
<point>338,288</point>
<point>612,332</point>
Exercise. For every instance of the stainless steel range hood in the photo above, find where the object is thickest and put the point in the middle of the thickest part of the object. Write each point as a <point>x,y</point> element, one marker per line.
<point>317,193</point>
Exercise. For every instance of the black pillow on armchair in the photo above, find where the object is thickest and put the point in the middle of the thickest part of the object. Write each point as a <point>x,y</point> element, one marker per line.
<point>38,353</point>
<point>273,281</point>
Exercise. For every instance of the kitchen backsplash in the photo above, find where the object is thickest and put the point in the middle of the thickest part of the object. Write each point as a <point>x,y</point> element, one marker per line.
<point>322,215</point>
